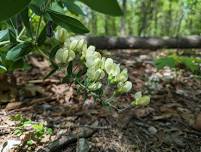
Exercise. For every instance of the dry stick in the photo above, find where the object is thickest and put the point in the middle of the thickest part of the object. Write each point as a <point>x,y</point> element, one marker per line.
<point>63,141</point>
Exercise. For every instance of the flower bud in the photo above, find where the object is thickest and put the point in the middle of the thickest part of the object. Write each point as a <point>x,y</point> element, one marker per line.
<point>61,35</point>
<point>94,86</point>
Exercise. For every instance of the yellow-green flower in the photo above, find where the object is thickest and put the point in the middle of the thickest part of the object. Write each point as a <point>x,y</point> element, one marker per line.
<point>94,74</point>
<point>63,56</point>
<point>111,68</point>
<point>94,86</point>
<point>61,34</point>
<point>124,87</point>
<point>123,76</point>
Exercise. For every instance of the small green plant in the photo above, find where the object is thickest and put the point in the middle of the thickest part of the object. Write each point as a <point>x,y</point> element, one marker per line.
<point>32,132</point>
<point>174,61</point>
<point>140,100</point>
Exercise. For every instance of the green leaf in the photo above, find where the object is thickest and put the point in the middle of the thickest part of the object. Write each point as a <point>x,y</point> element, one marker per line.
<point>43,34</point>
<point>73,8</point>
<point>70,68</point>
<point>3,35</point>
<point>56,7</point>
<point>30,142</point>
<point>9,8</point>
<point>55,68</point>
<point>2,69</point>
<point>37,6</point>
<point>18,52</point>
<point>25,19</point>
<point>49,131</point>
<point>12,36</point>
<point>110,7</point>
<point>68,22</point>
<point>53,52</point>
<point>189,63</point>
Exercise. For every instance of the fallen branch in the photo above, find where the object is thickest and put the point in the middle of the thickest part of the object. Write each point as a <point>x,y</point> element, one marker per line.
<point>64,140</point>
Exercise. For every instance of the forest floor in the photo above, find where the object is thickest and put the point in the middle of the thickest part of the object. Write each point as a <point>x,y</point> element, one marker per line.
<point>170,123</point>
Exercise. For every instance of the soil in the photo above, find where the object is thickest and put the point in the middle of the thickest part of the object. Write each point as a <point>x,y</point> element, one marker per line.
<point>170,123</point>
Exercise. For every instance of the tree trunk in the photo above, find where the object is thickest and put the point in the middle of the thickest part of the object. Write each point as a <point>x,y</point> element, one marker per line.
<point>94,22</point>
<point>144,42</point>
<point>123,20</point>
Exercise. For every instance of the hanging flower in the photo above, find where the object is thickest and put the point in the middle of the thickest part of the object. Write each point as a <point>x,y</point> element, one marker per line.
<point>64,56</point>
<point>95,86</point>
<point>124,87</point>
<point>77,45</point>
<point>111,68</point>
<point>123,76</point>
<point>94,74</point>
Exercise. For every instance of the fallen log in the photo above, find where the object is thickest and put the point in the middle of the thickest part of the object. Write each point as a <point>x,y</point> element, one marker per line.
<point>110,43</point>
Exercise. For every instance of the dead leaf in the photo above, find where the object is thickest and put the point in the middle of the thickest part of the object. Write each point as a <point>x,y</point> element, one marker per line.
<point>39,64</point>
<point>197,124</point>
<point>143,112</point>
<point>13,105</point>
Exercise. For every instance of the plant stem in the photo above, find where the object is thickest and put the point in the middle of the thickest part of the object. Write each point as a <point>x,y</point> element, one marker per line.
<point>4,42</point>
<point>42,53</point>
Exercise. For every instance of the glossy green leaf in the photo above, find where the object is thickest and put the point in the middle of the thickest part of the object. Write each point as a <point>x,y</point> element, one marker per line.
<point>68,22</point>
<point>9,8</point>
<point>25,19</point>
<point>18,52</point>
<point>3,35</point>
<point>73,8</point>
<point>110,7</point>
<point>56,7</point>
<point>37,6</point>
<point>12,36</point>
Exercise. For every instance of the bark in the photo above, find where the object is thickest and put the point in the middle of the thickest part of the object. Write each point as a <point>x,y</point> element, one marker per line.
<point>144,42</point>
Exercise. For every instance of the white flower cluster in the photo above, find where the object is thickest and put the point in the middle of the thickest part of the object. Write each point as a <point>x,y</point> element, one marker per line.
<point>97,66</point>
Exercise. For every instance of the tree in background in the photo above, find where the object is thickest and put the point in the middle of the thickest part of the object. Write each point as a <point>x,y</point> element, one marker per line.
<point>151,18</point>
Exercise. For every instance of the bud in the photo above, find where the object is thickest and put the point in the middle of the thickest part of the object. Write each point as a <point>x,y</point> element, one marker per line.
<point>61,35</point>
<point>124,87</point>
<point>95,86</point>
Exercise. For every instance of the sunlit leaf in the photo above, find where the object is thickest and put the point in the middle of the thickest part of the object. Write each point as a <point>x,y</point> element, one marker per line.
<point>68,22</point>
<point>110,7</point>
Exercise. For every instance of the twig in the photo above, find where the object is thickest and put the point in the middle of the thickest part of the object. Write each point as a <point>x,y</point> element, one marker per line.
<point>60,143</point>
